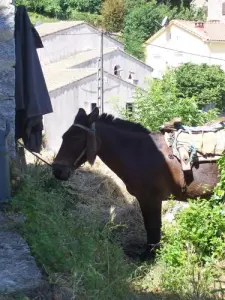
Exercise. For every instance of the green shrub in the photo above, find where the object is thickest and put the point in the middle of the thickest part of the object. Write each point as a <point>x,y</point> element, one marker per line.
<point>203,82</point>
<point>162,103</point>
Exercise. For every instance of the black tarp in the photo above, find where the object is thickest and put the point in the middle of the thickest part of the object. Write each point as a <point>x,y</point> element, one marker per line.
<point>31,94</point>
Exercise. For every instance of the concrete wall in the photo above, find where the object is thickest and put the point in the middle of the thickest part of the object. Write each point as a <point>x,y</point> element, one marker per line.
<point>67,100</point>
<point>71,41</point>
<point>7,72</point>
<point>141,72</point>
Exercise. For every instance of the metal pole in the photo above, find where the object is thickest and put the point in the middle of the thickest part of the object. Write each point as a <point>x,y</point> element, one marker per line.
<point>102,71</point>
<point>100,75</point>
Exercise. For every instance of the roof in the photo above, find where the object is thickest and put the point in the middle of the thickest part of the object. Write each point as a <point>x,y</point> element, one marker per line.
<point>61,78</point>
<point>65,77</point>
<point>210,32</point>
<point>45,29</point>
<point>50,28</point>
<point>75,59</point>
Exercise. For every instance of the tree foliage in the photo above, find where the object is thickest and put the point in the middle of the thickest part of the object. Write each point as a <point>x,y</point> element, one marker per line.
<point>185,3</point>
<point>163,102</point>
<point>145,19</point>
<point>203,82</point>
<point>62,8</point>
<point>113,14</point>
<point>91,6</point>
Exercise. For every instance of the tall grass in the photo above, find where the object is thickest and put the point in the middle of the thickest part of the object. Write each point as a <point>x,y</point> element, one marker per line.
<point>65,245</point>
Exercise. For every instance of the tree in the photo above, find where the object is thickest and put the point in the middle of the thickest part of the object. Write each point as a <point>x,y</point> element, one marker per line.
<point>91,6</point>
<point>203,82</point>
<point>113,14</point>
<point>185,3</point>
<point>162,103</point>
<point>144,19</point>
<point>142,22</point>
<point>61,7</point>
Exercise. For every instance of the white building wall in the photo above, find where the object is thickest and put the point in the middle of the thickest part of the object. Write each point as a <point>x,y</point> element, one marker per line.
<point>141,72</point>
<point>68,42</point>
<point>185,43</point>
<point>215,11</point>
<point>67,100</point>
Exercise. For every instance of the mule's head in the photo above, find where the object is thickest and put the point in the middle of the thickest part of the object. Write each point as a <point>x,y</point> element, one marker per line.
<point>78,145</point>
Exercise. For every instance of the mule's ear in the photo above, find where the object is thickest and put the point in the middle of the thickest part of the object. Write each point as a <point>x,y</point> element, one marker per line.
<point>93,115</point>
<point>81,113</point>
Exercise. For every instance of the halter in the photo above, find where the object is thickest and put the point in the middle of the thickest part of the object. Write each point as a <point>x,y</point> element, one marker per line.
<point>91,130</point>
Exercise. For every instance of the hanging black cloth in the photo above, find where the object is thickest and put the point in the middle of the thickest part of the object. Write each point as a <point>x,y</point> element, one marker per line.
<point>31,94</point>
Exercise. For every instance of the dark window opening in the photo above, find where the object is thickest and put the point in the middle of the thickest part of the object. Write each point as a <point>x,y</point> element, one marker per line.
<point>93,105</point>
<point>129,109</point>
<point>117,70</point>
<point>223,8</point>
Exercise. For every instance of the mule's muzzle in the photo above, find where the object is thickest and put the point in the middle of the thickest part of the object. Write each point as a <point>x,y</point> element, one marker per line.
<point>61,172</point>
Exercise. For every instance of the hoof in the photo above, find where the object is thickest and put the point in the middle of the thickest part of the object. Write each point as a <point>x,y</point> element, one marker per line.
<point>149,253</point>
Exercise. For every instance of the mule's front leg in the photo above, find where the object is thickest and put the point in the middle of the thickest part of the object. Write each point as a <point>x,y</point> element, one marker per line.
<point>151,211</point>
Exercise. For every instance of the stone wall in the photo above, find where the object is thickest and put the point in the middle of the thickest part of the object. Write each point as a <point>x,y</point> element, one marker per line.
<point>7,72</point>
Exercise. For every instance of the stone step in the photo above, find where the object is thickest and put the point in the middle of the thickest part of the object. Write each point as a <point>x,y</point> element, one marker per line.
<point>19,273</point>
<point>11,221</point>
<point>18,270</point>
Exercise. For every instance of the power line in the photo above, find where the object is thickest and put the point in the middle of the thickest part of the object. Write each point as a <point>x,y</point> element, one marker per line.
<point>162,47</point>
<point>194,54</point>
<point>85,33</point>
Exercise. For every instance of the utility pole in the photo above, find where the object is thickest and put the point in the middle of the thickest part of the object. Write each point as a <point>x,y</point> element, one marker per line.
<point>101,74</point>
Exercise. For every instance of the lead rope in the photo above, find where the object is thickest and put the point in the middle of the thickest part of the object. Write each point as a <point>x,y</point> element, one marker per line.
<point>92,131</point>
<point>44,161</point>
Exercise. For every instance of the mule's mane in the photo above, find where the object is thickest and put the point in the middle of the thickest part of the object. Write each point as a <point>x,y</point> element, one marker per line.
<point>122,124</point>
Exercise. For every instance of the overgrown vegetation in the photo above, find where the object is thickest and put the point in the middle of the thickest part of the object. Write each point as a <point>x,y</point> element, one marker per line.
<point>74,253</point>
<point>74,234</point>
<point>175,96</point>
<point>191,262</point>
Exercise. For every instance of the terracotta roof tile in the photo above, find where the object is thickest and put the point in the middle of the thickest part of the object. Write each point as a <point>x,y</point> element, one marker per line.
<point>211,31</point>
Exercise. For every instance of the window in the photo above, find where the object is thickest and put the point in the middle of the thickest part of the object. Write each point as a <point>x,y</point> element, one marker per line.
<point>223,8</point>
<point>129,108</point>
<point>117,70</point>
<point>130,77</point>
<point>93,105</point>
<point>168,35</point>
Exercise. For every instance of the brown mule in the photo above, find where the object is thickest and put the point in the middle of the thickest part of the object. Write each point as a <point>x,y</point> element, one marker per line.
<point>140,158</point>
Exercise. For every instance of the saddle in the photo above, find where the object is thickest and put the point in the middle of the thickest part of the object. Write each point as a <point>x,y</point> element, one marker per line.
<point>195,144</point>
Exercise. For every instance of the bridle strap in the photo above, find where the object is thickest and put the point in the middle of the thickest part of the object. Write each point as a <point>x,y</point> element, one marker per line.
<point>80,156</point>
<point>92,131</point>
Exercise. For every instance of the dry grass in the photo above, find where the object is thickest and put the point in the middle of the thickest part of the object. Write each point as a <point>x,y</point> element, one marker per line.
<point>101,192</point>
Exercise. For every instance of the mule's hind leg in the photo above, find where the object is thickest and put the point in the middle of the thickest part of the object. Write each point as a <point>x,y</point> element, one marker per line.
<point>151,208</point>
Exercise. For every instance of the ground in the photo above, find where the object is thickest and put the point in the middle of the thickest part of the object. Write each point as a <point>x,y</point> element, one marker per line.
<point>94,212</point>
